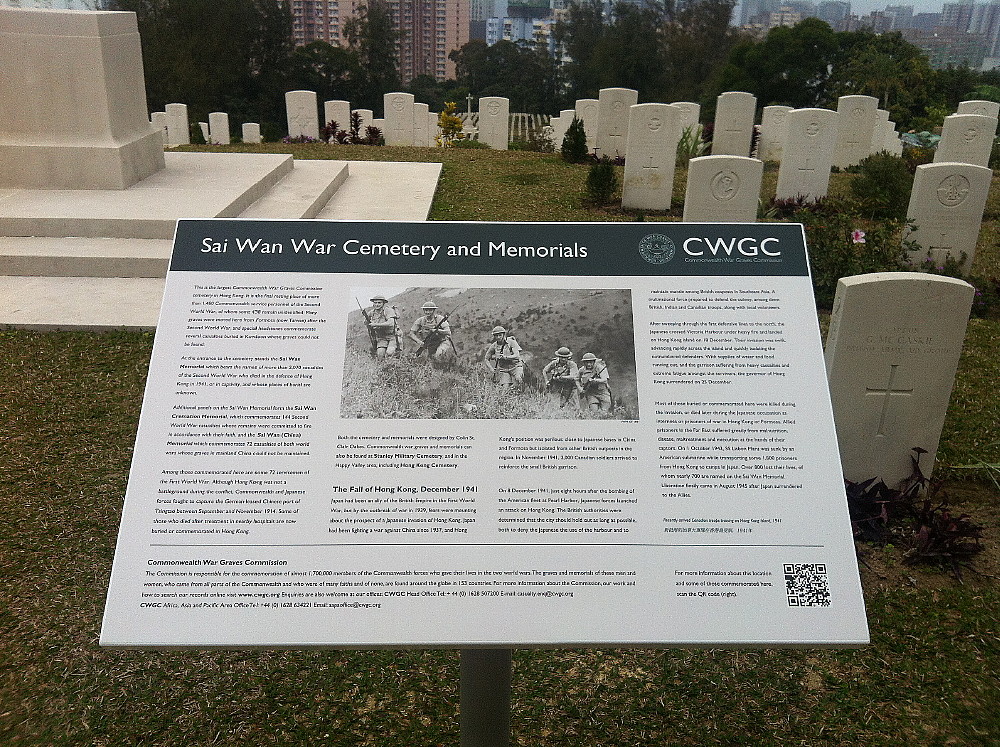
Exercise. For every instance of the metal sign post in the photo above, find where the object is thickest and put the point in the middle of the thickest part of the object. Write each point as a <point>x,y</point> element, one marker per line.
<point>484,699</point>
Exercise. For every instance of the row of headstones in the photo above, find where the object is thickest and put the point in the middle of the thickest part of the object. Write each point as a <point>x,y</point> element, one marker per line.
<point>405,121</point>
<point>174,124</point>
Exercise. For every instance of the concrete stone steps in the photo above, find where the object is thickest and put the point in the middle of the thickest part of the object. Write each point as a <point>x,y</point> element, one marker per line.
<point>303,193</point>
<point>84,257</point>
<point>51,303</point>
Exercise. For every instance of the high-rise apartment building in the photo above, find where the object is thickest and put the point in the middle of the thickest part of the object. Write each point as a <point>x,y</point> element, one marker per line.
<point>429,29</point>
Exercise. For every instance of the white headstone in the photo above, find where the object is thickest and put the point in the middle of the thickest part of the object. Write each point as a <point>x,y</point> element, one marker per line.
<point>559,126</point>
<point>723,189</point>
<point>808,154</point>
<point>735,112</point>
<point>178,128</point>
<point>433,131</point>
<point>946,207</point>
<point>398,108</point>
<point>303,114</point>
<point>380,124</point>
<point>205,134</point>
<point>251,132</point>
<point>339,112</point>
<point>690,114</point>
<point>613,106</point>
<point>966,138</point>
<point>494,119</point>
<point>218,128</point>
<point>587,111</point>
<point>653,132</point>
<point>421,135</point>
<point>159,121</point>
<point>892,351</point>
<point>367,116</point>
<point>856,117</point>
<point>773,129</point>
<point>73,102</point>
<point>975,106</point>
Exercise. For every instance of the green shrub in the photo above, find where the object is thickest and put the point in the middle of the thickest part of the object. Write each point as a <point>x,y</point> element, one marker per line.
<point>881,189</point>
<point>197,136</point>
<point>469,144</point>
<point>602,182</point>
<point>842,243</point>
<point>691,145</point>
<point>917,156</point>
<point>574,144</point>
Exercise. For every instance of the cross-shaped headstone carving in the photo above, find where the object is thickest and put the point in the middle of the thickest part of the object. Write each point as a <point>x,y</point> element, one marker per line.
<point>888,393</point>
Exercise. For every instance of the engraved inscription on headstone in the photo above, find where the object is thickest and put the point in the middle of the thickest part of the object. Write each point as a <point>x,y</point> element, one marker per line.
<point>398,108</point>
<point>734,117</point>
<point>966,138</point>
<point>856,117</point>
<point>303,114</point>
<point>811,135</point>
<point>653,133</point>
<point>723,189</point>
<point>613,120</point>
<point>891,355</point>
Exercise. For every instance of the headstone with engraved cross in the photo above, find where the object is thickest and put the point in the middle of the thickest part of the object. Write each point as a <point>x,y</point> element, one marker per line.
<point>338,111</point>
<point>773,132</point>
<point>807,154</point>
<point>856,116</point>
<point>398,109</point>
<point>734,117</point>
<point>587,112</point>
<point>613,106</point>
<point>723,189</point>
<point>966,138</point>
<point>653,133</point>
<point>891,356</point>
<point>303,114</point>
<point>494,121</point>
<point>946,208</point>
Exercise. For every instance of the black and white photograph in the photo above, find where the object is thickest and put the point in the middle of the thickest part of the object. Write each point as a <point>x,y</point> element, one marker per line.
<point>513,353</point>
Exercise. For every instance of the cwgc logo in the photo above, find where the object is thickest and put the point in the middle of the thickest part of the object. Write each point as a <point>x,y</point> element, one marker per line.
<point>657,249</point>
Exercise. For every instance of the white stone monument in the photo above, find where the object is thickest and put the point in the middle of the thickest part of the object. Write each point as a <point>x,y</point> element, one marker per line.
<point>732,133</point>
<point>946,207</point>
<point>421,135</point>
<point>178,126</point>
<point>367,117</point>
<point>690,114</point>
<point>89,131</point>
<point>494,121</point>
<point>303,114</point>
<point>975,106</point>
<point>653,133</point>
<point>807,155</point>
<point>339,112</point>
<point>856,117</point>
<point>613,106</point>
<point>559,126</point>
<point>966,138</point>
<point>398,108</point>
<point>205,134</point>
<point>723,189</point>
<point>218,128</point>
<point>159,121</point>
<point>773,130</point>
<point>892,351</point>
<point>587,111</point>
<point>251,132</point>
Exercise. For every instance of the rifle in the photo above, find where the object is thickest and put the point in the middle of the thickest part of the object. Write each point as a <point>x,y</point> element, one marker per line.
<point>371,332</point>
<point>434,337</point>
<point>590,381</point>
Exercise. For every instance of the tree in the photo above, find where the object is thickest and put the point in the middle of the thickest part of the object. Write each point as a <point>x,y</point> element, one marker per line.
<point>227,55</point>
<point>372,38</point>
<point>790,66</point>
<point>580,35</point>
<point>631,52</point>
<point>328,70</point>
<point>522,72</point>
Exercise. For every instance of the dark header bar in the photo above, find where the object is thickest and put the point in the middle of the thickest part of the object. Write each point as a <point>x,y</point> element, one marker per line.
<point>446,248</point>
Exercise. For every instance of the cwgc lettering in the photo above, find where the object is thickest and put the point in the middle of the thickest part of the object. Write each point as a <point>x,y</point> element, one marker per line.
<point>402,446</point>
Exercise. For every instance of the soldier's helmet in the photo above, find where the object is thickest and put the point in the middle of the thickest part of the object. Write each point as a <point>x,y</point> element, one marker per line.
<point>498,331</point>
<point>564,352</point>
<point>429,306</point>
<point>588,357</point>
<point>379,297</point>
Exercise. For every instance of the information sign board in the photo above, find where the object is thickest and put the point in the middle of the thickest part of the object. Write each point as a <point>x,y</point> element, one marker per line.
<point>643,455</point>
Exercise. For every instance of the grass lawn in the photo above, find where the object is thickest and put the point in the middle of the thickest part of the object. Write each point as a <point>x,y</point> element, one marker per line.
<point>69,404</point>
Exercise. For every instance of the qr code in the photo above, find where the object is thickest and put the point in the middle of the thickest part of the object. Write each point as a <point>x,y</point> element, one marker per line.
<point>806,585</point>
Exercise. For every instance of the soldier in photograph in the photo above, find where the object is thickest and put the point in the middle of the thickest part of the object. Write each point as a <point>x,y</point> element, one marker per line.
<point>563,377</point>
<point>595,384</point>
<point>432,333</point>
<point>503,359</point>
<point>384,328</point>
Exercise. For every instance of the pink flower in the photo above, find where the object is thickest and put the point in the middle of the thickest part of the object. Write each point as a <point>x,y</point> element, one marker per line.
<point>858,236</point>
